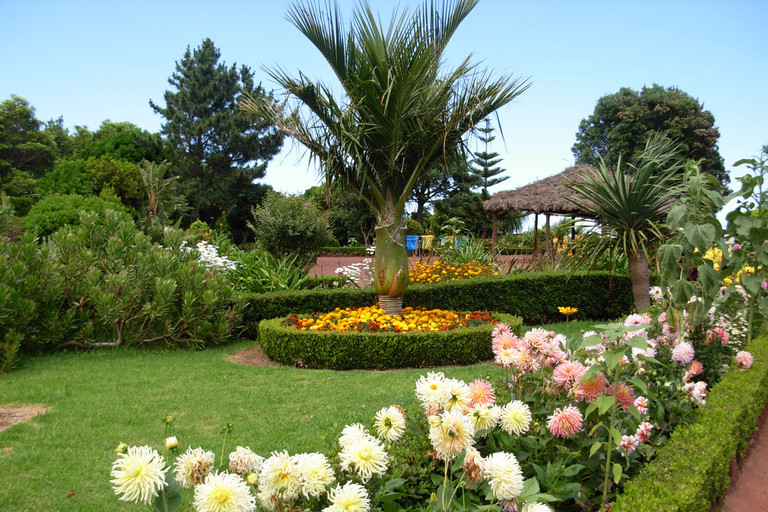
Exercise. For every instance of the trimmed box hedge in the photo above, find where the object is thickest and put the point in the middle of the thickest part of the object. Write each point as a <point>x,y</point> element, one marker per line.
<point>381,350</point>
<point>532,296</point>
<point>691,472</point>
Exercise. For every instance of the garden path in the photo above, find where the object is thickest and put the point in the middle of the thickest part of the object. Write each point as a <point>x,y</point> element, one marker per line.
<point>748,490</point>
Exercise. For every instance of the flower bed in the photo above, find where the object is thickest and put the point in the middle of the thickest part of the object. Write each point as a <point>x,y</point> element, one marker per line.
<point>373,319</point>
<point>692,471</point>
<point>437,271</point>
<point>380,350</point>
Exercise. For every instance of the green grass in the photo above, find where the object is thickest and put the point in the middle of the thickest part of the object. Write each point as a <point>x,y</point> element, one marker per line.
<point>60,461</point>
<point>99,399</point>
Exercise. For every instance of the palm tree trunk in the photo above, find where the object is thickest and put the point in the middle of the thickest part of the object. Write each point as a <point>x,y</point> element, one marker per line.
<point>391,267</point>
<point>640,276</point>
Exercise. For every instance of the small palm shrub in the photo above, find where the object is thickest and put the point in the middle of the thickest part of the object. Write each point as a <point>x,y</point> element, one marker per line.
<point>468,251</point>
<point>261,272</point>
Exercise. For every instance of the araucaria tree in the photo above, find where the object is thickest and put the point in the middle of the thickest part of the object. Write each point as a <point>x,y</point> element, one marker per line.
<point>402,109</point>
<point>219,149</point>
<point>622,123</point>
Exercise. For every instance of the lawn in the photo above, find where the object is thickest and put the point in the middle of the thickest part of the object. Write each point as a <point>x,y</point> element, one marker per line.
<point>61,460</point>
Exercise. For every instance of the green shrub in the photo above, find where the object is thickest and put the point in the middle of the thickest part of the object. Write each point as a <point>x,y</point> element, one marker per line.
<point>102,283</point>
<point>347,251</point>
<point>413,227</point>
<point>691,472</point>
<point>355,350</point>
<point>532,296</point>
<point>56,211</point>
<point>285,224</point>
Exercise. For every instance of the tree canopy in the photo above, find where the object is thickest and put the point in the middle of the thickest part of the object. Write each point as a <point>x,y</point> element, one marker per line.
<point>24,145</point>
<point>623,122</point>
<point>218,148</point>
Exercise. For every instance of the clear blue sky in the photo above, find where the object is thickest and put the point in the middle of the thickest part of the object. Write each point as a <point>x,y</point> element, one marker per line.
<point>89,61</point>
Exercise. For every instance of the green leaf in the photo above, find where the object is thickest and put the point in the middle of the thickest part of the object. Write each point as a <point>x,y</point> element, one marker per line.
<point>682,291</point>
<point>640,384</point>
<point>612,359</point>
<point>573,470</point>
<point>530,487</point>
<point>710,284</point>
<point>591,407</point>
<point>616,473</point>
<point>169,499</point>
<point>604,403</point>
<point>669,257</point>
<point>676,215</point>
<point>700,236</point>
<point>591,341</point>
<point>638,342</point>
<point>595,446</point>
<point>616,436</point>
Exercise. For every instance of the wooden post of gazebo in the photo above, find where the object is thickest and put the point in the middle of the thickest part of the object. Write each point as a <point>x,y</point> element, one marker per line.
<point>548,240</point>
<point>536,235</point>
<point>495,233</point>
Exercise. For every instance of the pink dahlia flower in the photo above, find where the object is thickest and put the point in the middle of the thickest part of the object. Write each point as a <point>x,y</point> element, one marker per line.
<point>624,394</point>
<point>590,390</point>
<point>565,422</point>
<point>499,329</point>
<point>628,444</point>
<point>505,340</point>
<point>683,352</point>
<point>568,374</point>
<point>744,359</point>
<point>642,404</point>
<point>643,431</point>
<point>481,393</point>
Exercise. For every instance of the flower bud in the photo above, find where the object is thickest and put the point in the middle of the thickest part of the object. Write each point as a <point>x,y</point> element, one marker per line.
<point>169,419</point>
<point>171,443</point>
<point>121,448</point>
<point>252,478</point>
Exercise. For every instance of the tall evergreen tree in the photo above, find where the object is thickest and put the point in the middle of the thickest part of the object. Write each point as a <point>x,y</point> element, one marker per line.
<point>219,149</point>
<point>485,168</point>
<point>487,161</point>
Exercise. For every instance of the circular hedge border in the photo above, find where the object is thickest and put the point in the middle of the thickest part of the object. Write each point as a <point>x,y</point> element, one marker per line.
<point>381,350</point>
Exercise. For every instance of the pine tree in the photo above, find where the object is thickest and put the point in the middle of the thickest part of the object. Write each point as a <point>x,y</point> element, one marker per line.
<point>487,161</point>
<point>487,172</point>
<point>219,149</point>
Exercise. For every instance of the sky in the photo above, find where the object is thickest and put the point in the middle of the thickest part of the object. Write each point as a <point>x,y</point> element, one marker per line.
<point>90,61</point>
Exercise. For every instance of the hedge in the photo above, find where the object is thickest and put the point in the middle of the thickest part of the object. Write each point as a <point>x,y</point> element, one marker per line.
<point>381,350</point>
<point>691,471</point>
<point>532,296</point>
<point>358,250</point>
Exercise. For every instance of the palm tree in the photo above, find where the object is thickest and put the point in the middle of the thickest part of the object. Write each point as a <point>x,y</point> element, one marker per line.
<point>630,203</point>
<point>401,111</point>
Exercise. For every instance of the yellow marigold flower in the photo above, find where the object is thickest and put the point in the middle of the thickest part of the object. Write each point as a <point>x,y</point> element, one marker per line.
<point>567,310</point>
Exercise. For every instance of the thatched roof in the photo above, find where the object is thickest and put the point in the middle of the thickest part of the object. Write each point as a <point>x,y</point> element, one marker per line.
<point>547,195</point>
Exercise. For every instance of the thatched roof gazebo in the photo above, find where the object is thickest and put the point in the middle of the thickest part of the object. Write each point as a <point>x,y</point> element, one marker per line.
<point>547,196</point>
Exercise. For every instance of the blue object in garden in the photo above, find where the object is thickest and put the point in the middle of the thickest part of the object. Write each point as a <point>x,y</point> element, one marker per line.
<point>411,242</point>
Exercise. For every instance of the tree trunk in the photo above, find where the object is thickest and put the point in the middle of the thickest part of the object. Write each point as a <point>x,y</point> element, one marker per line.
<point>391,265</point>
<point>640,276</point>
